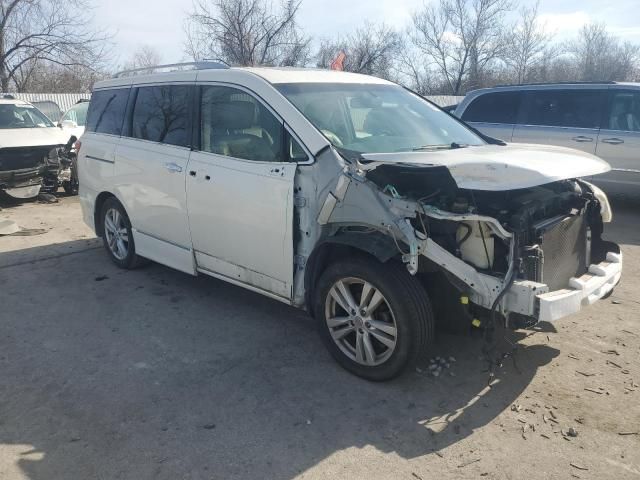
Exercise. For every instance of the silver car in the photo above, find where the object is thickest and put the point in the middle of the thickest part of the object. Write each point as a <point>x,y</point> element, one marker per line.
<point>599,118</point>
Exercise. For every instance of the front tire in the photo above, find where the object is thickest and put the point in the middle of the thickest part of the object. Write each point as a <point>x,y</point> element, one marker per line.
<point>117,235</point>
<point>374,318</point>
<point>70,188</point>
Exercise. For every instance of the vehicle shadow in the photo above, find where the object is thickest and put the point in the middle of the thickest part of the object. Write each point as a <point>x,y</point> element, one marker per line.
<point>155,374</point>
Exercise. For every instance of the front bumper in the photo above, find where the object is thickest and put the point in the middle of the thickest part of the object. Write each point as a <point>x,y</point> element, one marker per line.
<point>23,183</point>
<point>599,280</point>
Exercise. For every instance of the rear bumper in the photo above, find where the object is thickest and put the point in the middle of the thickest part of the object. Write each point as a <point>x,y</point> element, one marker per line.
<point>599,280</point>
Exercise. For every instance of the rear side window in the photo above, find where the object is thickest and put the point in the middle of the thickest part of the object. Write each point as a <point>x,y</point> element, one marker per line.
<point>106,111</point>
<point>564,108</point>
<point>160,114</point>
<point>497,107</point>
<point>624,112</point>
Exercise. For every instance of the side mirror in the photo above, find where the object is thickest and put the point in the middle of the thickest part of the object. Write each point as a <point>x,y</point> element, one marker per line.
<point>68,124</point>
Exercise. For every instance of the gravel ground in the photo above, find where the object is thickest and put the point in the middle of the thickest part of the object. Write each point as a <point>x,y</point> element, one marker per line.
<point>152,374</point>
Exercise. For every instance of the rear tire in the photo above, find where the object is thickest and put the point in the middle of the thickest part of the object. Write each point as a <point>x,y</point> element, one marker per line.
<point>375,319</point>
<point>117,235</point>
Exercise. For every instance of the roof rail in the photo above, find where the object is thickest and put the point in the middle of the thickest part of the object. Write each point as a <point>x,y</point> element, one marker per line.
<point>604,82</point>
<point>172,67</point>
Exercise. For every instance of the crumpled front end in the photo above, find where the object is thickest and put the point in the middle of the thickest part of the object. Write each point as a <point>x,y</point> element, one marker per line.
<point>22,169</point>
<point>525,255</point>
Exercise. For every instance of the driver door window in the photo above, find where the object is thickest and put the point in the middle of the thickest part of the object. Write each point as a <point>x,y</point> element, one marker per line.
<point>236,125</point>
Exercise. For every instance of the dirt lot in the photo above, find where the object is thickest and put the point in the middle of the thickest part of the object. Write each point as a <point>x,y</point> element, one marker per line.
<point>154,374</point>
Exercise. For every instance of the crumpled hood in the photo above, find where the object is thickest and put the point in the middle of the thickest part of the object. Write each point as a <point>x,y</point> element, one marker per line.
<point>32,137</point>
<point>497,168</point>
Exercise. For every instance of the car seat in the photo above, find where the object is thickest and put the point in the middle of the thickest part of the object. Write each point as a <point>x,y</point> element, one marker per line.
<point>234,132</point>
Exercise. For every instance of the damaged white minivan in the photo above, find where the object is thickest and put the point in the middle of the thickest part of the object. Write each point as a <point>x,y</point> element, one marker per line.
<point>346,195</point>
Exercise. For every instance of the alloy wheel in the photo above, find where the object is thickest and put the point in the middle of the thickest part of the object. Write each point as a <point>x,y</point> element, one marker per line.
<point>116,234</point>
<point>360,321</point>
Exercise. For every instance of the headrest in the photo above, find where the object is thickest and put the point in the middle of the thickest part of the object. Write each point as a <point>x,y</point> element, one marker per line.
<point>235,115</point>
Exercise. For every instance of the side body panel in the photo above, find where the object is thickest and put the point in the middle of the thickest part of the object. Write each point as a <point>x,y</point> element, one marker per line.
<point>149,180</point>
<point>579,138</point>
<point>619,141</point>
<point>95,170</point>
<point>241,218</point>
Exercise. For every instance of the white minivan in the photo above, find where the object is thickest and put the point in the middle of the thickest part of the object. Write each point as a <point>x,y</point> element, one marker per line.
<point>346,195</point>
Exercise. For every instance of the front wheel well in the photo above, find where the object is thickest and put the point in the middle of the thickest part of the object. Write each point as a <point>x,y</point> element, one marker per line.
<point>100,199</point>
<point>376,248</point>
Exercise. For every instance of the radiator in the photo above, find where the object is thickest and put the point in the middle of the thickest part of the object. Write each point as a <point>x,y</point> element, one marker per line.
<point>562,253</point>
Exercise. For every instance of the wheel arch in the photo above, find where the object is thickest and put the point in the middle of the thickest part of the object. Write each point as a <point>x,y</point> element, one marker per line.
<point>97,210</point>
<point>375,245</point>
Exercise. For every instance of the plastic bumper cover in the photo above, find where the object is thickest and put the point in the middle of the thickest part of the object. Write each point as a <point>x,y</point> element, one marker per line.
<point>600,279</point>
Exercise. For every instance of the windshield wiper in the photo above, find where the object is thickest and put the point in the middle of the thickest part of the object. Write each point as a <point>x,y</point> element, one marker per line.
<point>443,146</point>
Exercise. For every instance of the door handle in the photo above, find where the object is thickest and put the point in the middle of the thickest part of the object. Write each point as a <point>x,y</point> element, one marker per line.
<point>613,141</point>
<point>173,167</point>
<point>582,139</point>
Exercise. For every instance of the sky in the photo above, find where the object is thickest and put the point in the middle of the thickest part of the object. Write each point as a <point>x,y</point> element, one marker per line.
<point>159,23</point>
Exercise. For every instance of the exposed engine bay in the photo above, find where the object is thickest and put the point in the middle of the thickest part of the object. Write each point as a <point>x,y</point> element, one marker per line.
<point>22,169</point>
<point>530,214</point>
<point>25,171</point>
<point>557,227</point>
<point>507,253</point>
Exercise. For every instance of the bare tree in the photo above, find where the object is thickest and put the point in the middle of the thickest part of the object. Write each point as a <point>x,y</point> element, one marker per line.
<point>145,56</point>
<point>246,32</point>
<point>46,77</point>
<point>370,50</point>
<point>530,46</point>
<point>460,38</point>
<point>413,72</point>
<point>33,31</point>
<point>601,56</point>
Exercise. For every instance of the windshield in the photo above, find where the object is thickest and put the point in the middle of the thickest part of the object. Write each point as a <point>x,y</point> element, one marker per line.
<point>370,118</point>
<point>22,116</point>
<point>77,113</point>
